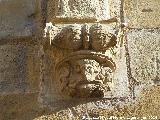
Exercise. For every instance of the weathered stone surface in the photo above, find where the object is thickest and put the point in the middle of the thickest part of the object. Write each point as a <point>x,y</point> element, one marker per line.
<point>144,51</point>
<point>18,18</point>
<point>142,13</point>
<point>82,9</point>
<point>20,107</point>
<point>145,107</point>
<point>81,62</point>
<point>19,68</point>
<point>84,68</point>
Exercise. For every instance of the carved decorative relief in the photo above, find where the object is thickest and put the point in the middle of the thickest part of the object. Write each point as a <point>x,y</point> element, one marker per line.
<point>101,39</point>
<point>75,36</point>
<point>87,65</point>
<point>85,74</point>
<point>69,38</point>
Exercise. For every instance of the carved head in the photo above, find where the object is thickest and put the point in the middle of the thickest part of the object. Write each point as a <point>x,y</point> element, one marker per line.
<point>69,37</point>
<point>82,70</point>
<point>100,38</point>
<point>85,75</point>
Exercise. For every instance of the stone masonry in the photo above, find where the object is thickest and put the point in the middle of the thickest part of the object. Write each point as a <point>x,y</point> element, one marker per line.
<point>79,59</point>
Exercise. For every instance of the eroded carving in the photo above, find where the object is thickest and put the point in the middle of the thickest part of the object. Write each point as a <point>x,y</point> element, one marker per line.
<point>75,36</point>
<point>87,67</point>
<point>84,78</point>
<point>101,39</point>
<point>69,37</point>
<point>85,74</point>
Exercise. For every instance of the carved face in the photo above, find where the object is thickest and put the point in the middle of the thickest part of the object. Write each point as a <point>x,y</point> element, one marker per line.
<point>101,39</point>
<point>81,71</point>
<point>70,37</point>
<point>73,34</point>
<point>84,78</point>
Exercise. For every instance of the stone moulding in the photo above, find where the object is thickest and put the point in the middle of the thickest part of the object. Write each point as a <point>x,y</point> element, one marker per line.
<point>84,54</point>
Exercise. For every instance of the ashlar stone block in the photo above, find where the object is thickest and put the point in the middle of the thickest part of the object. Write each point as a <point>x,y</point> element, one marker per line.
<point>82,9</point>
<point>18,18</point>
<point>144,51</point>
<point>19,69</point>
<point>142,13</point>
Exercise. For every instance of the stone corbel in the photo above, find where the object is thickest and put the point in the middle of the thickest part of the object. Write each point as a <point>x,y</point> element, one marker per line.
<point>87,69</point>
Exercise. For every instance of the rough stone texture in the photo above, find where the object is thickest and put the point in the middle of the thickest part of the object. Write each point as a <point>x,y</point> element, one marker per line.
<point>144,51</point>
<point>146,107</point>
<point>88,10</point>
<point>18,18</point>
<point>83,65</point>
<point>34,70</point>
<point>19,68</point>
<point>142,13</point>
<point>20,107</point>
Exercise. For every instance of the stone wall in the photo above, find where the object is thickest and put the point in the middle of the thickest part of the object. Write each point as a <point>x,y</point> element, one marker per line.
<point>28,62</point>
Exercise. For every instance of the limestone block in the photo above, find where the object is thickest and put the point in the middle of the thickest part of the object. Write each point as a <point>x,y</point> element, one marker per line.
<point>142,13</point>
<point>18,18</point>
<point>144,51</point>
<point>18,69</point>
<point>83,9</point>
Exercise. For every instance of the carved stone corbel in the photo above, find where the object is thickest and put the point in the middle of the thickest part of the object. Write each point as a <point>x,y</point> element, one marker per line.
<point>87,67</point>
<point>85,74</point>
